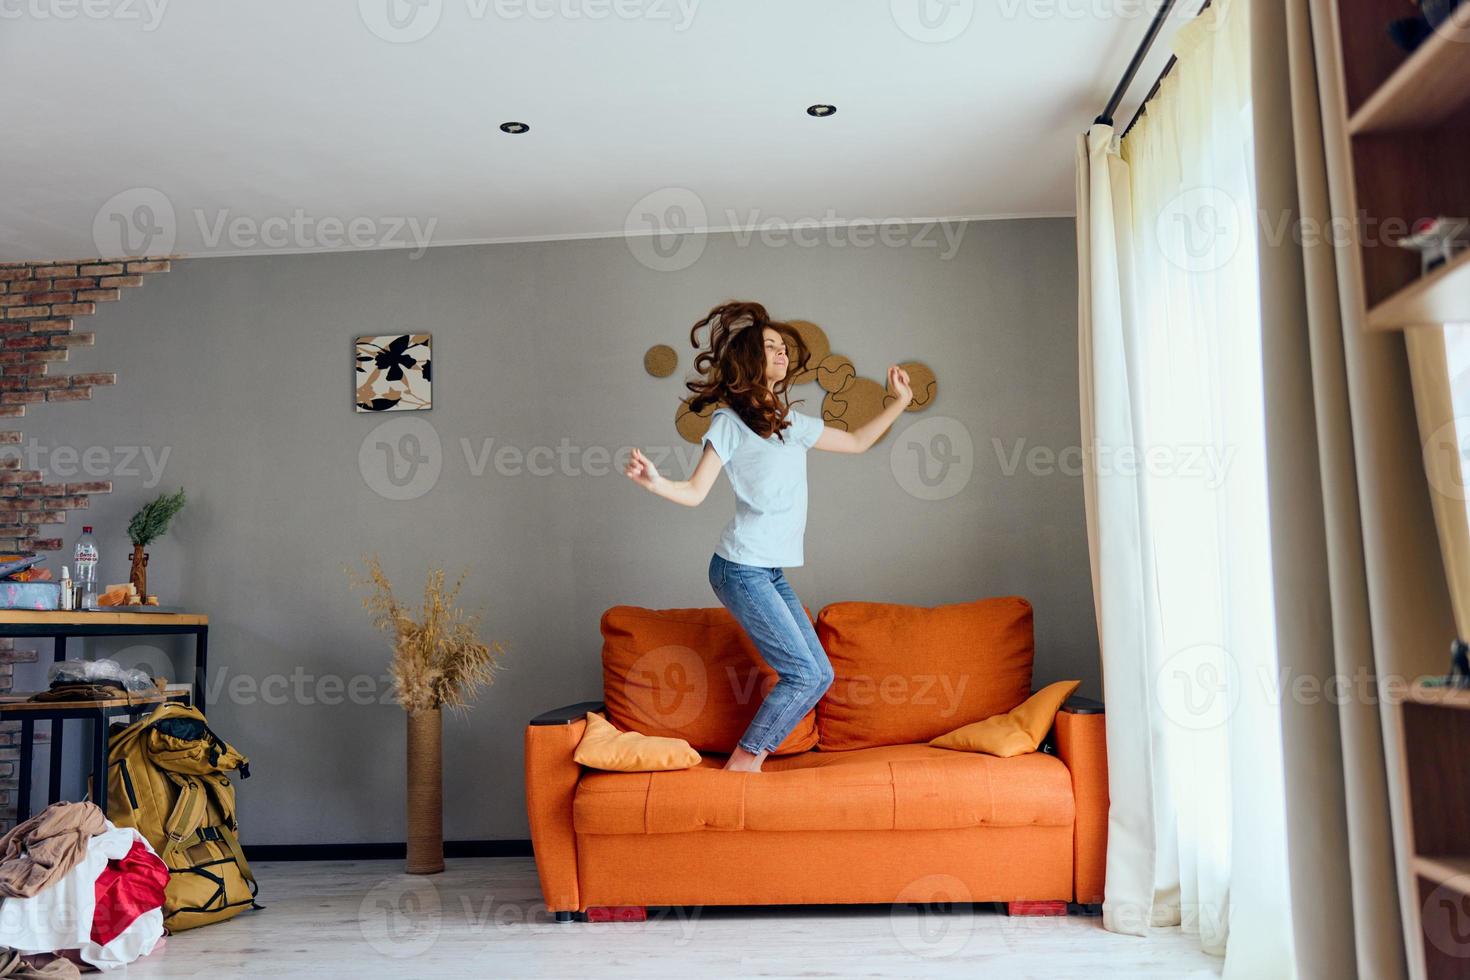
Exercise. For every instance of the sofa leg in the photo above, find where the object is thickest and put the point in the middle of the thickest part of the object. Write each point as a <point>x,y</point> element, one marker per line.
<point>1057,907</point>
<point>564,917</point>
<point>617,913</point>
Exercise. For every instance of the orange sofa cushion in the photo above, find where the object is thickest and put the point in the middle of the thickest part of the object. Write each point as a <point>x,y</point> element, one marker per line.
<point>604,747</point>
<point>893,787</point>
<point>688,673</point>
<point>1017,731</point>
<point>910,673</point>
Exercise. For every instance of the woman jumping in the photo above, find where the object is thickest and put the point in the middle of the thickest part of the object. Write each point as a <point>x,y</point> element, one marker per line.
<point>762,443</point>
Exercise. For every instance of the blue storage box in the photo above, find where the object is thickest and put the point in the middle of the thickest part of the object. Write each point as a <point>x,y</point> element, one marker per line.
<point>30,595</point>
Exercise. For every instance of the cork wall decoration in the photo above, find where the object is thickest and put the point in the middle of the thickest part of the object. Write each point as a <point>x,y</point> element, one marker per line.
<point>660,360</point>
<point>849,399</point>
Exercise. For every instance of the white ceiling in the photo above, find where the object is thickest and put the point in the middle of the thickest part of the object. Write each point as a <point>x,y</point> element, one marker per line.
<point>279,125</point>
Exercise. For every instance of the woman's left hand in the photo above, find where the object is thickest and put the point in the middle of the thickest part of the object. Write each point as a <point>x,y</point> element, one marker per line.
<point>898,384</point>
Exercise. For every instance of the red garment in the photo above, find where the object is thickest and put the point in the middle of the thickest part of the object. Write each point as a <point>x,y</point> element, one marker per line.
<point>126,889</point>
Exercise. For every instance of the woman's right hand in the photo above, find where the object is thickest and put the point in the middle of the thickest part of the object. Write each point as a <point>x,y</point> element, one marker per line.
<point>641,471</point>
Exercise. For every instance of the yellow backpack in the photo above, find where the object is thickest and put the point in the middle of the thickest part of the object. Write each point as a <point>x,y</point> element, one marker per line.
<point>167,776</point>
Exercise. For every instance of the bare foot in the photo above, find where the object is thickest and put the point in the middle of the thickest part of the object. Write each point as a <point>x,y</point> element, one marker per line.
<point>742,760</point>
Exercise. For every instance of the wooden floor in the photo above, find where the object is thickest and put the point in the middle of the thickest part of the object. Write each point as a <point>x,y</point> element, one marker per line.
<point>483,917</point>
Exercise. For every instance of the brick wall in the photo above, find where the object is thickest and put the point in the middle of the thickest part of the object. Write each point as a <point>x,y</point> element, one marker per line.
<point>10,736</point>
<point>40,303</point>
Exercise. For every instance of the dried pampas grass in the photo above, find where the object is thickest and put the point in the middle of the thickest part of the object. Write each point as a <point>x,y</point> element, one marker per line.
<point>438,658</point>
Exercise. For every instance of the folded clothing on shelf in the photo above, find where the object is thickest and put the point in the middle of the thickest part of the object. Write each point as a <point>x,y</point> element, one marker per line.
<point>103,670</point>
<point>78,691</point>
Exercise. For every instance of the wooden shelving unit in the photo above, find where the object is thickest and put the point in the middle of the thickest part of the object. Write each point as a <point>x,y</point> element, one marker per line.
<point>1404,121</point>
<point>1435,729</point>
<point>1439,297</point>
<point>1408,118</point>
<point>1451,871</point>
<point>1429,88</point>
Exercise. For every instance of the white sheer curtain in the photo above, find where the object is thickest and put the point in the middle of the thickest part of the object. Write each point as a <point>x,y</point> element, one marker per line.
<point>1176,493</point>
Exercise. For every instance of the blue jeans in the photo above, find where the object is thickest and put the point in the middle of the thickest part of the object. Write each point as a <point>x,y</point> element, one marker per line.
<point>762,601</point>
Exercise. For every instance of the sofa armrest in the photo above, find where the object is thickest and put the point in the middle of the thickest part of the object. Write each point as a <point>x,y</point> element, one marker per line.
<point>1081,744</point>
<point>1078,705</point>
<point>568,713</point>
<point>551,784</point>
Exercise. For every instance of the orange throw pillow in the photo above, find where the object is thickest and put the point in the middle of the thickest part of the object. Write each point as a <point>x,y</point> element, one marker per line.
<point>604,747</point>
<point>688,673</point>
<point>905,674</point>
<point>1016,732</point>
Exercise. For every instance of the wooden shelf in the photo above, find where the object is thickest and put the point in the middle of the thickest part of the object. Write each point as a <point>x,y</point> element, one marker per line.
<point>1443,296</point>
<point>1427,89</point>
<point>1433,731</point>
<point>1443,870</point>
<point>19,702</point>
<point>102,617</point>
<point>1450,697</point>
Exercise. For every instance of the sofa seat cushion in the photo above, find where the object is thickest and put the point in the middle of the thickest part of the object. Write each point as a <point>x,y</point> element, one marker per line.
<point>890,787</point>
<point>688,673</point>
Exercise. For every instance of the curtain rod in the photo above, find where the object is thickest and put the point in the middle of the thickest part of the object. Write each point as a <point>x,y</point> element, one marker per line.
<point>1106,117</point>
<point>1148,40</point>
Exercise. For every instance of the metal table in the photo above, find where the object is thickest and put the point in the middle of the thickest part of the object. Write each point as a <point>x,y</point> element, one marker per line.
<point>60,626</point>
<point>15,707</point>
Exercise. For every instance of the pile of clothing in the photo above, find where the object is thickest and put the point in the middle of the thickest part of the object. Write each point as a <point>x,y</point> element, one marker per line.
<point>78,892</point>
<point>94,680</point>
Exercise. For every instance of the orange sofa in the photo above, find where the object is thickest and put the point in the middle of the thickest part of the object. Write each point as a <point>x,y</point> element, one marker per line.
<point>854,806</point>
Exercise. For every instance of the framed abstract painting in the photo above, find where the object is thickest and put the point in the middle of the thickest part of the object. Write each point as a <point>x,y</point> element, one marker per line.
<point>392,373</point>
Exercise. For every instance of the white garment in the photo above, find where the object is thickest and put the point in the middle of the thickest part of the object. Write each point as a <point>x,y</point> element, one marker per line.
<point>59,916</point>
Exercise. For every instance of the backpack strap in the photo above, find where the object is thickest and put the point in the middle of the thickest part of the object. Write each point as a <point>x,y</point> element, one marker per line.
<point>224,798</point>
<point>224,801</point>
<point>219,787</point>
<point>188,812</point>
<point>233,843</point>
<point>225,834</point>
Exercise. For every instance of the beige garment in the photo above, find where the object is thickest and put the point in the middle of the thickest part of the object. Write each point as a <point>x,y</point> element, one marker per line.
<point>45,847</point>
<point>37,966</point>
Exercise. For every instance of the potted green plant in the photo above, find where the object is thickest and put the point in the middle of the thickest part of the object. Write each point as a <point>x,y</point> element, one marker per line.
<point>147,526</point>
<point>438,661</point>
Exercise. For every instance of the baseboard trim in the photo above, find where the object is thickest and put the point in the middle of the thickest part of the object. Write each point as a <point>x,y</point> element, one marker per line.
<point>385,851</point>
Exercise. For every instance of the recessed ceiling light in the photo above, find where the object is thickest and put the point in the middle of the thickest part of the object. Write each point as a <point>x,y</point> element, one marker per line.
<point>820,110</point>
<point>514,128</point>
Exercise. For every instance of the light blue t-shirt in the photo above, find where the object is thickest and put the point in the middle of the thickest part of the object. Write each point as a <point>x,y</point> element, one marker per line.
<point>769,478</point>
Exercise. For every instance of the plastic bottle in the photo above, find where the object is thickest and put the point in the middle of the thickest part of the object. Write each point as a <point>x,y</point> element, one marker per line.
<point>65,600</point>
<point>86,565</point>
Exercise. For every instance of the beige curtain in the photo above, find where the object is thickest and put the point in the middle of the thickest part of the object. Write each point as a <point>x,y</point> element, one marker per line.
<point>1298,779</point>
<point>1122,577</point>
<point>1361,594</point>
<point>1175,485</point>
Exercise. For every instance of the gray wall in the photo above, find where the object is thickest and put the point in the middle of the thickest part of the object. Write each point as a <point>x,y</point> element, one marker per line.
<point>238,368</point>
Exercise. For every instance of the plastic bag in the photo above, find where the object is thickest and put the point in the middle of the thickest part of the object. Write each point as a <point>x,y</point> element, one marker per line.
<point>104,670</point>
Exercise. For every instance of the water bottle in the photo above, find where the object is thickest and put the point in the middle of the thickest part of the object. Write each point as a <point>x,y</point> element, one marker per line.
<point>86,567</point>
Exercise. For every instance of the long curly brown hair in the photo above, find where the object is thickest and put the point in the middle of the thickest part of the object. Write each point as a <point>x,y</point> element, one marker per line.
<point>733,367</point>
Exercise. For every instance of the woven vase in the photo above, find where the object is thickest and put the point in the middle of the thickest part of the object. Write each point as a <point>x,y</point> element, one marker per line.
<point>425,792</point>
